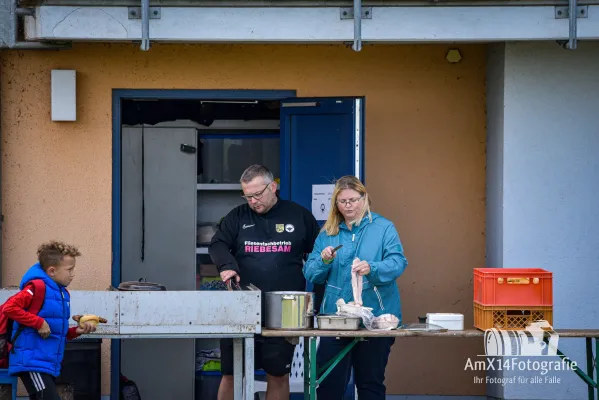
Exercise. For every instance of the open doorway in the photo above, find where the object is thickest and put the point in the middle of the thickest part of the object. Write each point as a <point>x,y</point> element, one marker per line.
<point>178,156</point>
<point>180,162</point>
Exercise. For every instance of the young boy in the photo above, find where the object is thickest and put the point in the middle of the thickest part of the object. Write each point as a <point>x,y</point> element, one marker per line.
<point>39,347</point>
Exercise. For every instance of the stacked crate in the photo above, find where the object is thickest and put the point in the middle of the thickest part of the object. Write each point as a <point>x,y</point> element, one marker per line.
<point>512,298</point>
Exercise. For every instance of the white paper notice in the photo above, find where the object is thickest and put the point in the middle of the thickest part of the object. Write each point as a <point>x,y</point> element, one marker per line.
<point>321,201</point>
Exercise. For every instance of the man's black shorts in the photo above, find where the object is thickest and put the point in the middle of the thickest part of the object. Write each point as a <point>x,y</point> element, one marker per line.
<point>272,354</point>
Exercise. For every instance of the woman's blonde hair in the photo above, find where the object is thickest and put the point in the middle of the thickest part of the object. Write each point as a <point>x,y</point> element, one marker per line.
<point>331,227</point>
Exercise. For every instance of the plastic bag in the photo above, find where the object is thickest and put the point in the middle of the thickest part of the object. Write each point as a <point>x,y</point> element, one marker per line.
<point>351,310</point>
<point>355,308</point>
<point>385,322</point>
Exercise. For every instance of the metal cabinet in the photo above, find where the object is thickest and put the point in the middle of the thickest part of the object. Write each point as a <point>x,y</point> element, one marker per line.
<point>158,244</point>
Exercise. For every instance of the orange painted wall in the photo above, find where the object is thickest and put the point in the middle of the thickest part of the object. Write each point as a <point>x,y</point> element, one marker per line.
<point>425,163</point>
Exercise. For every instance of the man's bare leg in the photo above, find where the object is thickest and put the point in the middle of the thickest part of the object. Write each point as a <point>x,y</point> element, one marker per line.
<point>225,390</point>
<point>277,387</point>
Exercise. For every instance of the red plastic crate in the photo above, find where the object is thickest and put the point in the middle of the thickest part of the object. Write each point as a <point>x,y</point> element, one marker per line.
<point>513,286</point>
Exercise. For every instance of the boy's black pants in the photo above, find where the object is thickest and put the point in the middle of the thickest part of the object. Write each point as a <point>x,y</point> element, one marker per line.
<point>39,386</point>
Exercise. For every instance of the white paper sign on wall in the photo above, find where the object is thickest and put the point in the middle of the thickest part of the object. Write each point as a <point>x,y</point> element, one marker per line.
<point>321,201</point>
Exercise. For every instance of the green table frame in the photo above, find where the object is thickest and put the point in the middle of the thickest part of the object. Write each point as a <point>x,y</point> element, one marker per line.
<point>316,375</point>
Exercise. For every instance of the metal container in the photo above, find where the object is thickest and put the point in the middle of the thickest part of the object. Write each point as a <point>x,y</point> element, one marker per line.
<point>289,310</point>
<point>141,284</point>
<point>333,322</point>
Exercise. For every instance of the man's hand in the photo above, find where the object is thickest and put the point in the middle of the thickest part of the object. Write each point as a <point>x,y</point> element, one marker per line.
<point>361,268</point>
<point>86,328</point>
<point>226,275</point>
<point>44,331</point>
<point>327,254</point>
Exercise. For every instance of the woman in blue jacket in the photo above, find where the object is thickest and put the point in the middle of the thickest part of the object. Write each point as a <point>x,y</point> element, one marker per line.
<point>374,240</point>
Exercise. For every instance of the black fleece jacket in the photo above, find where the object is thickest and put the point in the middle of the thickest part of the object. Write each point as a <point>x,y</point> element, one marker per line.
<point>266,250</point>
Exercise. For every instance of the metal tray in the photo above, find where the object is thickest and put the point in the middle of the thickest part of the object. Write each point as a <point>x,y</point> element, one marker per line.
<point>333,322</point>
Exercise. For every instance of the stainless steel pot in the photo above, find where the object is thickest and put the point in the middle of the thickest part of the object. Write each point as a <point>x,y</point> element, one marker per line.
<point>289,310</point>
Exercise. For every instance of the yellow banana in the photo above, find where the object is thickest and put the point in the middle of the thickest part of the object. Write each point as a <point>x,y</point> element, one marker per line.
<point>89,318</point>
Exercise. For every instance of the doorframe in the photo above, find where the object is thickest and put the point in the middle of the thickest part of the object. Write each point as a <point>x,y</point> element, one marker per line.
<point>118,95</point>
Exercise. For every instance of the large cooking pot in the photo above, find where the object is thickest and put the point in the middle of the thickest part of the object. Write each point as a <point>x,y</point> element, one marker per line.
<point>141,285</point>
<point>289,310</point>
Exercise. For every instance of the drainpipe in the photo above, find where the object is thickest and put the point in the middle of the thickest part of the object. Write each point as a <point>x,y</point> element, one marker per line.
<point>357,25</point>
<point>573,15</point>
<point>145,25</point>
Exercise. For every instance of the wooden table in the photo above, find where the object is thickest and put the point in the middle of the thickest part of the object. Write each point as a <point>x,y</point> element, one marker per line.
<point>316,375</point>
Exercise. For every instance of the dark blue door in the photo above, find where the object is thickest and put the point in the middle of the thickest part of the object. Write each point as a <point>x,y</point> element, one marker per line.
<point>322,139</point>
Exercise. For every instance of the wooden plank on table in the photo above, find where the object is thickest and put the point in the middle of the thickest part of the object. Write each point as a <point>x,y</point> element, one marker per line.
<point>467,333</point>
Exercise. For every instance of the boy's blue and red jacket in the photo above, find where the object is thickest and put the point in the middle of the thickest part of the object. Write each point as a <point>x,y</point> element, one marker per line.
<point>31,352</point>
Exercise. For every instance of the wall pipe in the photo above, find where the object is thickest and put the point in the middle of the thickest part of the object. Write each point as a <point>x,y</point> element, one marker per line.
<point>573,7</point>
<point>145,25</point>
<point>357,25</point>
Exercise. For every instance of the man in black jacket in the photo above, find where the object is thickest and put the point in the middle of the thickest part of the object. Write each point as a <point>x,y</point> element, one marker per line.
<point>263,243</point>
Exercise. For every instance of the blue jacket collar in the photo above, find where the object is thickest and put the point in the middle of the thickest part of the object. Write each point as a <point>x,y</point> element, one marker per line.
<point>36,272</point>
<point>357,228</point>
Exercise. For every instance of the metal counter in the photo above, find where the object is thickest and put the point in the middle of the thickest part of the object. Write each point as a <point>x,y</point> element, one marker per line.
<point>176,314</point>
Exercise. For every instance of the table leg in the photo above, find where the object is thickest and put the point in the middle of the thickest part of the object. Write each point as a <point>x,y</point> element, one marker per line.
<point>237,365</point>
<point>329,366</point>
<point>307,368</point>
<point>249,368</point>
<point>590,367</point>
<point>589,381</point>
<point>595,363</point>
<point>313,366</point>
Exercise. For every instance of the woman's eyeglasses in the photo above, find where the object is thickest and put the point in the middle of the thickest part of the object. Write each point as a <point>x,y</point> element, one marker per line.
<point>345,202</point>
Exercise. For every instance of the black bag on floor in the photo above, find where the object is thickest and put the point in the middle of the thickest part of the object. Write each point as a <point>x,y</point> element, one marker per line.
<point>128,389</point>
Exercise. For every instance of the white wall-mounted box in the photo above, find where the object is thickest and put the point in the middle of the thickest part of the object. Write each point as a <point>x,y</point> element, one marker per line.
<point>63,95</point>
<point>449,321</point>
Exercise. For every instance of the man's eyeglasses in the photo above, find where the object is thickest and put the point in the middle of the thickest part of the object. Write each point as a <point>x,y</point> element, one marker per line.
<point>344,202</point>
<point>256,196</point>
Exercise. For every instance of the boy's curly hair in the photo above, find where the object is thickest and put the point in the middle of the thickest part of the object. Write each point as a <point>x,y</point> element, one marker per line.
<point>52,253</point>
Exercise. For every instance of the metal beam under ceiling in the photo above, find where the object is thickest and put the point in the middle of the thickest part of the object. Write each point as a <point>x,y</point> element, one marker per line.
<point>299,3</point>
<point>10,14</point>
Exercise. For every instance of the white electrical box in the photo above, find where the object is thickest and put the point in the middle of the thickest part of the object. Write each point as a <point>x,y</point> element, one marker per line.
<point>449,321</point>
<point>64,96</point>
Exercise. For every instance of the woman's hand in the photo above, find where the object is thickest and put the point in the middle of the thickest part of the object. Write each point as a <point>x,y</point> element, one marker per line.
<point>361,268</point>
<point>327,254</point>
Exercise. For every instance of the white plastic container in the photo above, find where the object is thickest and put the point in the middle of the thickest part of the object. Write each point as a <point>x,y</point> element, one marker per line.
<point>449,321</point>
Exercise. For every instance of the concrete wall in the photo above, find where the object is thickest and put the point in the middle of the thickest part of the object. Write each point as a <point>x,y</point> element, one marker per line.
<point>543,152</point>
<point>425,163</point>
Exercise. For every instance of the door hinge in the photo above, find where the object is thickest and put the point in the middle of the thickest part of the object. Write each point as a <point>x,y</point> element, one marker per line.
<point>186,148</point>
<point>348,13</point>
<point>135,13</point>
<point>563,12</point>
